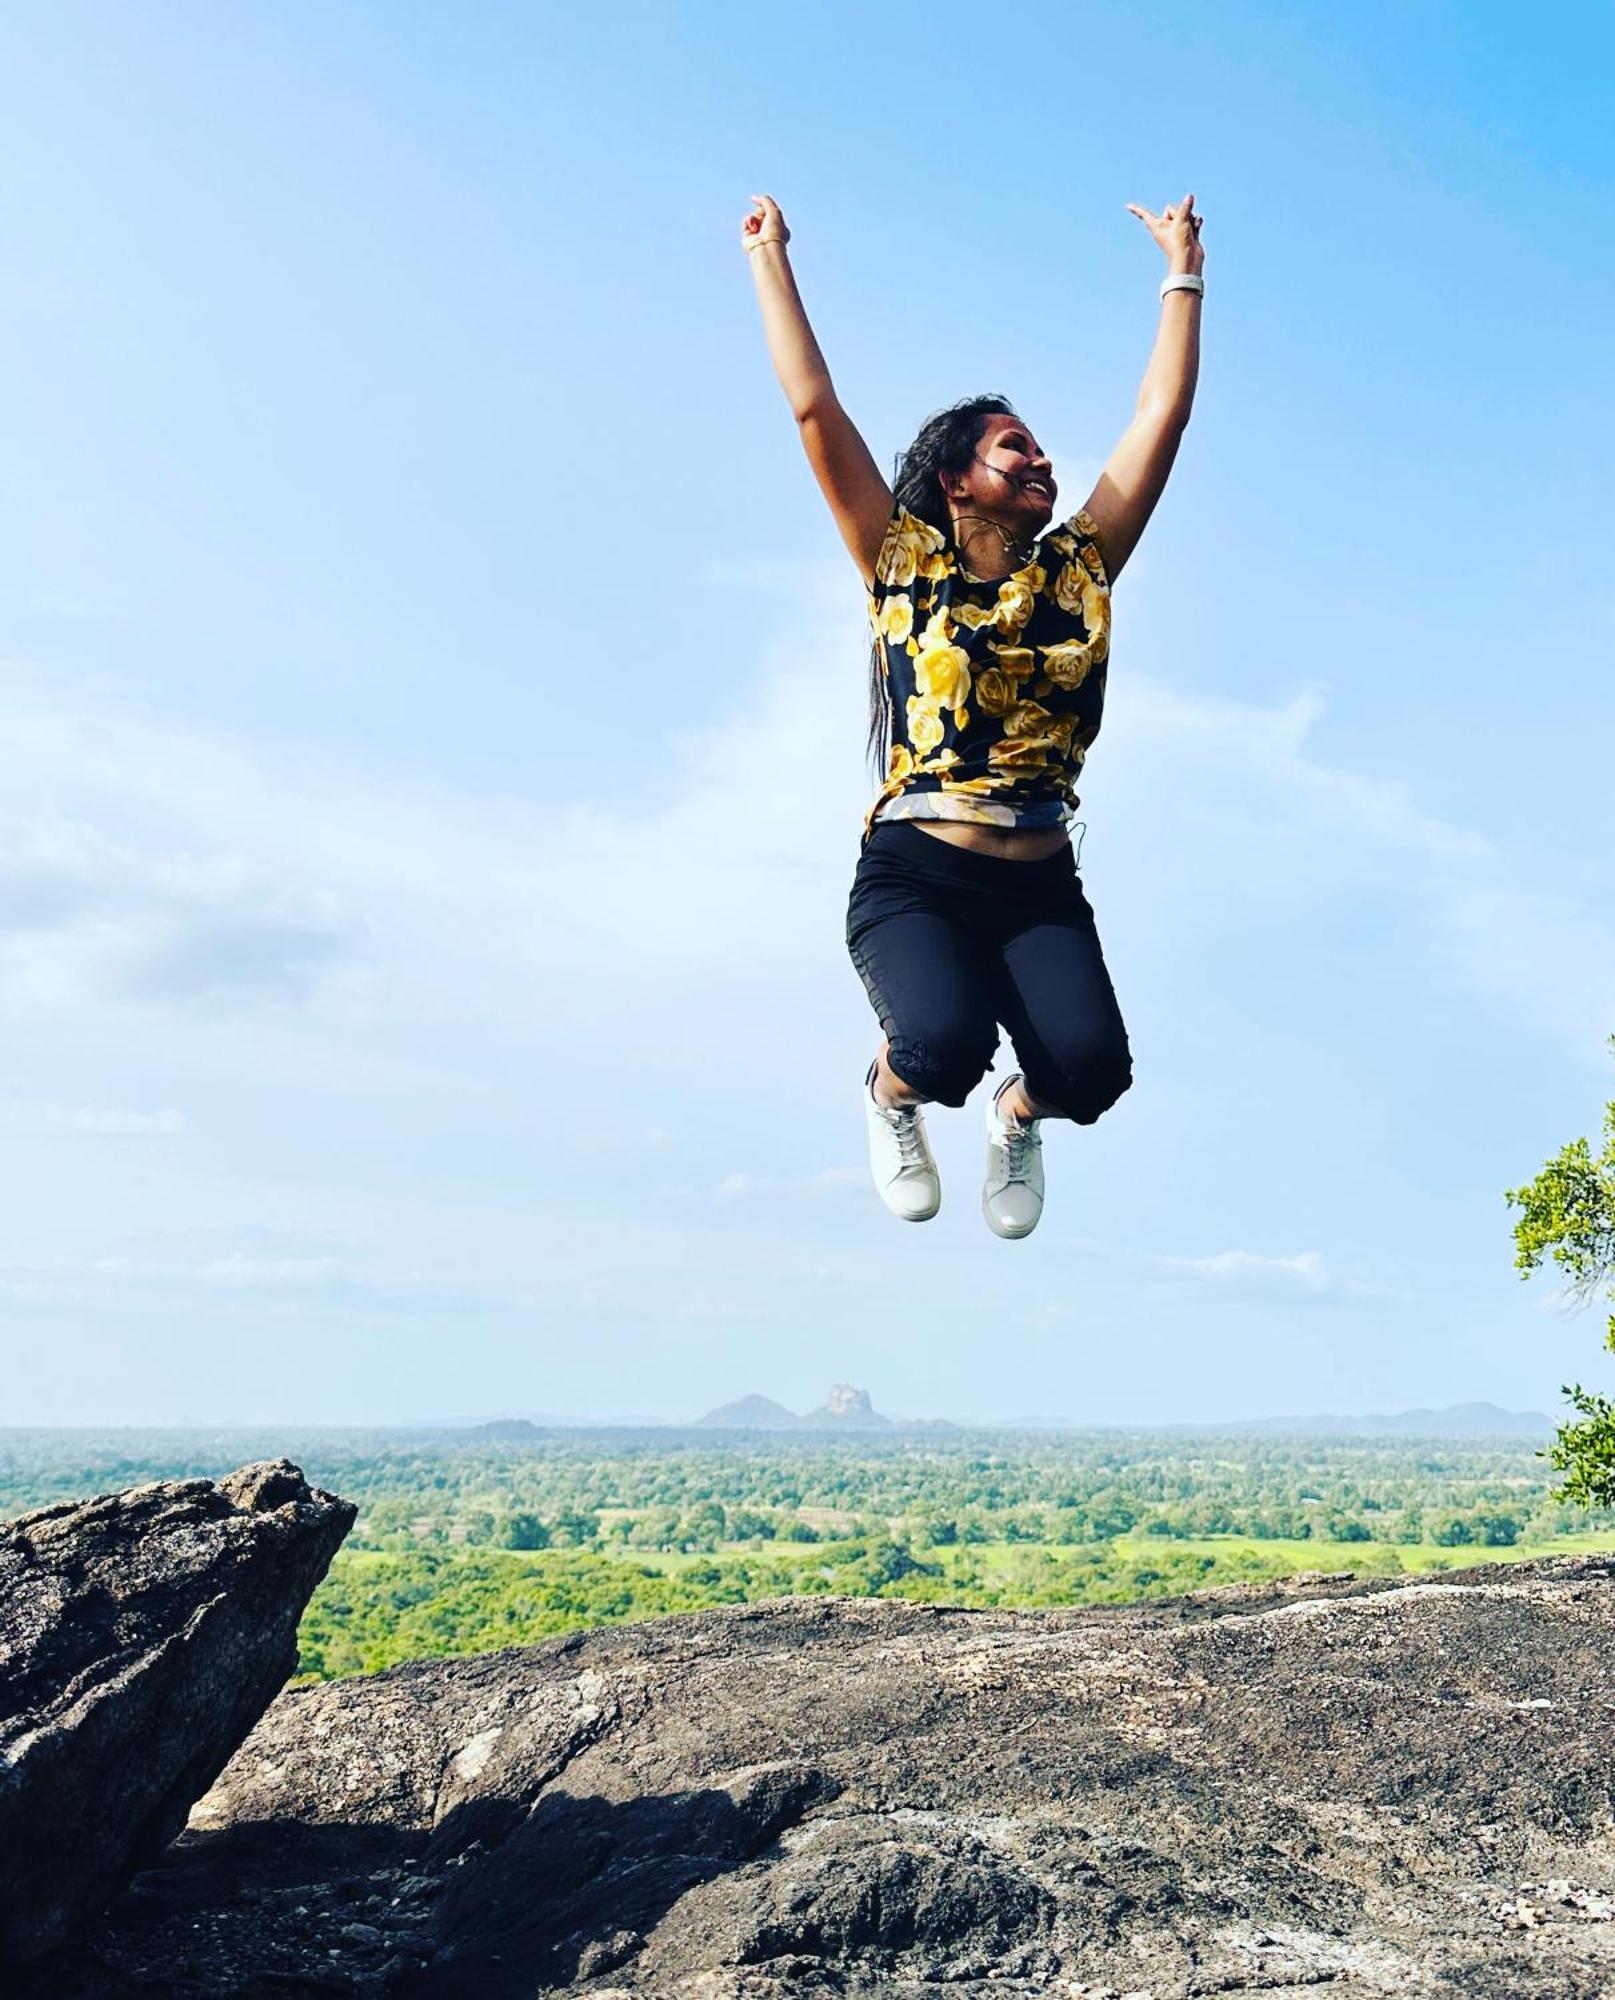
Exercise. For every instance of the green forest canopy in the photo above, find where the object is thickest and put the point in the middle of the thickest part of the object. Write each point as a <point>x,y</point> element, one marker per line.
<point>466,1542</point>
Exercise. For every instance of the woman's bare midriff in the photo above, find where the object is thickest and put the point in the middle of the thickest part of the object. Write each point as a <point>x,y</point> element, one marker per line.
<point>1005,843</point>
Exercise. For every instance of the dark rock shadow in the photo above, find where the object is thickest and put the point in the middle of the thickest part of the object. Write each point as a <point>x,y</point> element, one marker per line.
<point>573,1891</point>
<point>206,1870</point>
<point>251,1909</point>
<point>493,1902</point>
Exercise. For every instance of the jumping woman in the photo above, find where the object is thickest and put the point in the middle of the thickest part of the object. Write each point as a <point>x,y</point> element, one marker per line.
<point>991,631</point>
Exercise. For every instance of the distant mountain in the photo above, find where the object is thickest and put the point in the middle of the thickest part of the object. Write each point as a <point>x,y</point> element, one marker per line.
<point>749,1413</point>
<point>849,1409</point>
<point>845,1409</point>
<point>1479,1420</point>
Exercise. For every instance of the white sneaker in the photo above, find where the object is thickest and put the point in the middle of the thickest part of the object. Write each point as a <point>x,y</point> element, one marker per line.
<point>1012,1194</point>
<point>900,1159</point>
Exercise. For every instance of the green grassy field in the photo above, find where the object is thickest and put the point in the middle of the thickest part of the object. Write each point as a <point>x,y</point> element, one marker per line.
<point>1376,1558</point>
<point>1282,1558</point>
<point>376,1609</point>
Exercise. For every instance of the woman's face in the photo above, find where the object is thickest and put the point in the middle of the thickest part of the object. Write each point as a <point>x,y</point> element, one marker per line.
<point>1009,480</point>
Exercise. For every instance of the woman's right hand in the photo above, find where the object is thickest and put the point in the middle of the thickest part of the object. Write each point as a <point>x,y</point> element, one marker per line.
<point>764,225</point>
<point>1177,230</point>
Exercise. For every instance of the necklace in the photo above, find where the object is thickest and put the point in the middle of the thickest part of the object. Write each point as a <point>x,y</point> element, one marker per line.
<point>1019,553</point>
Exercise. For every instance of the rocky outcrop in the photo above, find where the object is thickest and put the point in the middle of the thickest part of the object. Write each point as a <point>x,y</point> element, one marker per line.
<point>846,1409</point>
<point>1368,1788</point>
<point>141,1637</point>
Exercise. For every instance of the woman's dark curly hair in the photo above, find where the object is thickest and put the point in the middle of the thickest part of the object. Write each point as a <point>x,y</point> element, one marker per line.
<point>946,443</point>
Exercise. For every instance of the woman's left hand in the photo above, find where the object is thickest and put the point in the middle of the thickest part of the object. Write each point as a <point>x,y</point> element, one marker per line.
<point>1177,230</point>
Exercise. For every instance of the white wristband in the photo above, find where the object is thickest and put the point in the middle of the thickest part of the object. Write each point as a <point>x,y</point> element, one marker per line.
<point>1184,281</point>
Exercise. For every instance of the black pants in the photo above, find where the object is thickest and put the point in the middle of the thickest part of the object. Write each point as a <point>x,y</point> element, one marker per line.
<point>950,943</point>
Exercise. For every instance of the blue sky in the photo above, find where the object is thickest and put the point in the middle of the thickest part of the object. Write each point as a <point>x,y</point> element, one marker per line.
<point>433,701</point>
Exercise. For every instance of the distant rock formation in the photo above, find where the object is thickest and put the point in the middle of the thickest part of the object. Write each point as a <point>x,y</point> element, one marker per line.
<point>1379,1789</point>
<point>846,1409</point>
<point>141,1636</point>
<point>749,1413</point>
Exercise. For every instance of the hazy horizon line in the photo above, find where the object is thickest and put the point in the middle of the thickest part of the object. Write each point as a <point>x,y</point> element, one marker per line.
<point>881,1423</point>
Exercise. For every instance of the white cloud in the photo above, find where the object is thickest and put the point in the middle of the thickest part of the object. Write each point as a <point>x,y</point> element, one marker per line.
<point>418,1029</point>
<point>230,1273</point>
<point>1239,741</point>
<point>156,865</point>
<point>22,1119</point>
<point>1226,805</point>
<point>1233,1267</point>
<point>83,912</point>
<point>733,1186</point>
<point>31,1291</point>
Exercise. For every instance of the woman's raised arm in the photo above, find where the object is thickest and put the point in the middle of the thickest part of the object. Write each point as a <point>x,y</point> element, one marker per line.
<point>848,476</point>
<point>1136,473</point>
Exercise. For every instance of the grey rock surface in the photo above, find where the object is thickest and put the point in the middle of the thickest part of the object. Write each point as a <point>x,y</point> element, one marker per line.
<point>141,1636</point>
<point>1365,1788</point>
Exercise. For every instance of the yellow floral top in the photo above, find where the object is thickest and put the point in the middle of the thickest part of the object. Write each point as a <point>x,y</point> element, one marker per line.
<point>994,690</point>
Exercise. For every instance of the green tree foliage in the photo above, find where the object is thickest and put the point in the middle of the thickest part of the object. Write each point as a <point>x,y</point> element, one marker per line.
<point>587,1527</point>
<point>890,1562</point>
<point>747,1524</point>
<point>522,1531</point>
<point>628,1494</point>
<point>1568,1213</point>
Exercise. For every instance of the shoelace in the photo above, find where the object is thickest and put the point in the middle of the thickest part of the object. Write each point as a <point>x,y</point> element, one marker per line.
<point>1017,1141</point>
<point>906,1130</point>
